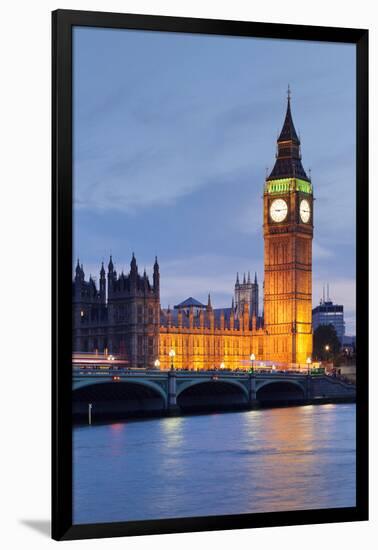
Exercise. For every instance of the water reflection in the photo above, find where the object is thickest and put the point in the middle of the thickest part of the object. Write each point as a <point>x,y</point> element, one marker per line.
<point>256,461</point>
<point>172,431</point>
<point>288,457</point>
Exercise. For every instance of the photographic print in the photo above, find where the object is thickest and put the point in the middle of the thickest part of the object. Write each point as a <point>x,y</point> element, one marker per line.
<point>214,345</point>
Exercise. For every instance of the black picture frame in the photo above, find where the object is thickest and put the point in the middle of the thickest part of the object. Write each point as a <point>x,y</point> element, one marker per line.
<point>62,23</point>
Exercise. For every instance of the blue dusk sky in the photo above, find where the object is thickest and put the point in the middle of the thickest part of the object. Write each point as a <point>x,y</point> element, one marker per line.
<point>173,134</point>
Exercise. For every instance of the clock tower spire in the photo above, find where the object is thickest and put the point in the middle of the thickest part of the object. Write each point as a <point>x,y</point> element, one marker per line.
<point>288,233</point>
<point>288,159</point>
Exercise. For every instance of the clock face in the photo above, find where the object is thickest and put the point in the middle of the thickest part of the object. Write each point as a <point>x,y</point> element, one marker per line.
<point>278,210</point>
<point>304,210</point>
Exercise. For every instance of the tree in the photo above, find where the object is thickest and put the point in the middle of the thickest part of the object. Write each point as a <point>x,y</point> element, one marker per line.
<point>326,343</point>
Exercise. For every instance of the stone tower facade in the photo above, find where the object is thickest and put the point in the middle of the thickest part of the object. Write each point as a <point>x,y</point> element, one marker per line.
<point>247,292</point>
<point>288,233</point>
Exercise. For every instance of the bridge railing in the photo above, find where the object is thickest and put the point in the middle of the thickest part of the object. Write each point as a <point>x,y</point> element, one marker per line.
<point>119,371</point>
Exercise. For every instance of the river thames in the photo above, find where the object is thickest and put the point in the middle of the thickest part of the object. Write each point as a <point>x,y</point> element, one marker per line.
<point>256,461</point>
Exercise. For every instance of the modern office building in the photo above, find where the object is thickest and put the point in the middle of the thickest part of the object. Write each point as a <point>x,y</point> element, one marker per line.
<point>328,313</point>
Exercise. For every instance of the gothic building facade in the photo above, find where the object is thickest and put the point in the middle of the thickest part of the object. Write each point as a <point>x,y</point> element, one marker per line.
<point>123,320</point>
<point>123,315</point>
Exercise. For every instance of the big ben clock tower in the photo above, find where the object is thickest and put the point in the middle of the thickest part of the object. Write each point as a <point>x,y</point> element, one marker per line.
<point>288,232</point>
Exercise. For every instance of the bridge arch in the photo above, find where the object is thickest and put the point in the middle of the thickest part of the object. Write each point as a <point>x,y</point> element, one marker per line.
<point>212,394</point>
<point>118,398</point>
<point>280,390</point>
<point>148,383</point>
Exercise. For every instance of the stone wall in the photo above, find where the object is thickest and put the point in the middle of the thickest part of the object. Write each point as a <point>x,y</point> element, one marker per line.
<point>328,387</point>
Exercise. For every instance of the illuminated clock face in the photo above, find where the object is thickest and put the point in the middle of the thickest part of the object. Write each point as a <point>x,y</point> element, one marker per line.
<point>278,210</point>
<point>304,210</point>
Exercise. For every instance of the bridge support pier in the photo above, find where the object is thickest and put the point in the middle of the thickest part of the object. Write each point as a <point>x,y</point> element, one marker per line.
<point>172,392</point>
<point>252,390</point>
<point>309,392</point>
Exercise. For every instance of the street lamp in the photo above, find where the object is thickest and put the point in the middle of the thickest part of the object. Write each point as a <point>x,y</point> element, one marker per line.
<point>172,354</point>
<point>327,348</point>
<point>110,358</point>
<point>222,365</point>
<point>252,358</point>
<point>308,361</point>
<point>157,363</point>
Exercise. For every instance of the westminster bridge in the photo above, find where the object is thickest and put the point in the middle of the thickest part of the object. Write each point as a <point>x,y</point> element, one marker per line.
<point>124,392</point>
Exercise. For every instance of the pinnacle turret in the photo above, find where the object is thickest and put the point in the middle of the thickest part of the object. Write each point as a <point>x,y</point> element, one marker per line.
<point>156,276</point>
<point>78,270</point>
<point>133,264</point>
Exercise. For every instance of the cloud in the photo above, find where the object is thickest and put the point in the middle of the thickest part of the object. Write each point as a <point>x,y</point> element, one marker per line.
<point>249,219</point>
<point>320,252</point>
<point>153,156</point>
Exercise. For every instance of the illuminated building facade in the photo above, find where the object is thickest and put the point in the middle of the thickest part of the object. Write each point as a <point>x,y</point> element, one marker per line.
<point>204,337</point>
<point>288,233</point>
<point>127,319</point>
<point>247,293</point>
<point>130,324</point>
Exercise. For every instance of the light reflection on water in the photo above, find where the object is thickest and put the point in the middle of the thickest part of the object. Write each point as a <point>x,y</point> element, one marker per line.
<point>255,461</point>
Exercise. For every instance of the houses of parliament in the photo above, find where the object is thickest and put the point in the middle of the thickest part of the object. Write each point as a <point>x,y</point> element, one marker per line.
<point>122,315</point>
